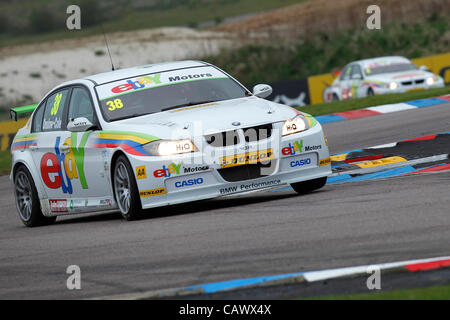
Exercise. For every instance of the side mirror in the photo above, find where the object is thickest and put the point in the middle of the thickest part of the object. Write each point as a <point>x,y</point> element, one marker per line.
<point>262,90</point>
<point>424,68</point>
<point>79,124</point>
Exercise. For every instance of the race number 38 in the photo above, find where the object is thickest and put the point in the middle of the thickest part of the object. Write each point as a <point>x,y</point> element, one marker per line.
<point>114,104</point>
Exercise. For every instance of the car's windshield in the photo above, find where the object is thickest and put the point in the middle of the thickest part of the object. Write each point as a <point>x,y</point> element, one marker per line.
<point>162,91</point>
<point>388,68</point>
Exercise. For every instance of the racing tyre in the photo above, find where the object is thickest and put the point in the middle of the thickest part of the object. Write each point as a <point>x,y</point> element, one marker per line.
<point>125,190</point>
<point>308,186</point>
<point>27,200</point>
<point>335,97</point>
<point>370,92</point>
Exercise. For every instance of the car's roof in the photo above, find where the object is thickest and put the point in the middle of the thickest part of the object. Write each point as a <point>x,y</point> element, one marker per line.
<point>387,59</point>
<point>119,74</point>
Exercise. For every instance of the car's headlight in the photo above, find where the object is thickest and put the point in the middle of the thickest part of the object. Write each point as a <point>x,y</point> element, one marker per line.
<point>169,147</point>
<point>294,125</point>
<point>393,85</point>
<point>430,80</point>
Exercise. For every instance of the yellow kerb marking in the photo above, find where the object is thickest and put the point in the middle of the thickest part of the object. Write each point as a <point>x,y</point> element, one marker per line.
<point>380,162</point>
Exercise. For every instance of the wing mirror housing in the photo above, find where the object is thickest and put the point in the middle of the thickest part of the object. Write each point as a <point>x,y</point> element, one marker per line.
<point>79,124</point>
<point>424,68</point>
<point>262,90</point>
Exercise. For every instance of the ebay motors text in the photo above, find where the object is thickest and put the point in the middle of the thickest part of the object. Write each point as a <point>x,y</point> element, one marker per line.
<point>143,81</point>
<point>166,172</point>
<point>67,165</point>
<point>297,147</point>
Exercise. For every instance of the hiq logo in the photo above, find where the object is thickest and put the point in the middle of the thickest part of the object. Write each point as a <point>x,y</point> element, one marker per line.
<point>293,148</point>
<point>167,171</point>
<point>189,182</point>
<point>299,163</point>
<point>68,165</point>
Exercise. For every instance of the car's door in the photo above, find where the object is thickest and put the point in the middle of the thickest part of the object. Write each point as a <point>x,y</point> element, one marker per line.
<point>345,83</point>
<point>85,162</point>
<point>356,78</point>
<point>49,125</point>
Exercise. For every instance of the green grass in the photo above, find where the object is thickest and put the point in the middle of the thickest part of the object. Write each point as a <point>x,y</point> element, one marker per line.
<point>151,15</point>
<point>430,293</point>
<point>5,162</point>
<point>346,105</point>
<point>320,53</point>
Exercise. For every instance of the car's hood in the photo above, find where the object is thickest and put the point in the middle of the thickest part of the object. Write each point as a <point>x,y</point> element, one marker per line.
<point>400,76</point>
<point>206,118</point>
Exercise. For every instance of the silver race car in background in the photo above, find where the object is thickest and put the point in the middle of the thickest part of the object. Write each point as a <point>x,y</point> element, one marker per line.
<point>380,76</point>
<point>156,135</point>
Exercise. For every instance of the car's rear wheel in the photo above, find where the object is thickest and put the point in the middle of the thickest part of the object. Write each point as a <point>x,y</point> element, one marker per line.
<point>335,97</point>
<point>27,200</point>
<point>308,186</point>
<point>125,190</point>
<point>370,92</point>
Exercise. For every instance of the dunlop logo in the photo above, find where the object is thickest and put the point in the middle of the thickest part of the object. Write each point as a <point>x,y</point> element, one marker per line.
<point>324,162</point>
<point>246,158</point>
<point>152,192</point>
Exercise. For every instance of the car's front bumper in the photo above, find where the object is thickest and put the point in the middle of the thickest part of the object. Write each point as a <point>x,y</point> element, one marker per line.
<point>407,88</point>
<point>170,180</point>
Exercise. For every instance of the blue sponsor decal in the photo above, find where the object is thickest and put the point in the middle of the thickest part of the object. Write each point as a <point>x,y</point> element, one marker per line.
<point>189,182</point>
<point>299,163</point>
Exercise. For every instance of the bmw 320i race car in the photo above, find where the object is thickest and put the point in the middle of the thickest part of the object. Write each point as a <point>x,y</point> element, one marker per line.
<point>380,76</point>
<point>157,135</point>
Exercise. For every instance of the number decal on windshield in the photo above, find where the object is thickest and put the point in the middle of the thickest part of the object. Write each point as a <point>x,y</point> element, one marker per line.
<point>114,104</point>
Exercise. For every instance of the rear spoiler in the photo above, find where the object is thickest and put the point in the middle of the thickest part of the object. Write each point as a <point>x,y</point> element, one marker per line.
<point>14,112</point>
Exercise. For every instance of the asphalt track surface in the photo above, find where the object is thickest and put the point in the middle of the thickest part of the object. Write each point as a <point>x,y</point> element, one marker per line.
<point>254,235</point>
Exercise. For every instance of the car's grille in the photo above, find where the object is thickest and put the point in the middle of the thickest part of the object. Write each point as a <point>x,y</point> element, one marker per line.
<point>229,138</point>
<point>258,133</point>
<point>246,172</point>
<point>222,139</point>
<point>408,83</point>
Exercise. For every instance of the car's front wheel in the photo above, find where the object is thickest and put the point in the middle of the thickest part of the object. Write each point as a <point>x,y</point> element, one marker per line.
<point>125,190</point>
<point>308,186</point>
<point>27,200</point>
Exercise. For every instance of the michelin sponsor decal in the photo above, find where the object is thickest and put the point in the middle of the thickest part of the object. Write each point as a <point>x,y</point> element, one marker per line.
<point>249,186</point>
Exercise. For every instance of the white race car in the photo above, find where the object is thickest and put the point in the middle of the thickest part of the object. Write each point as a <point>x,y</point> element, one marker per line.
<point>380,76</point>
<point>157,135</point>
